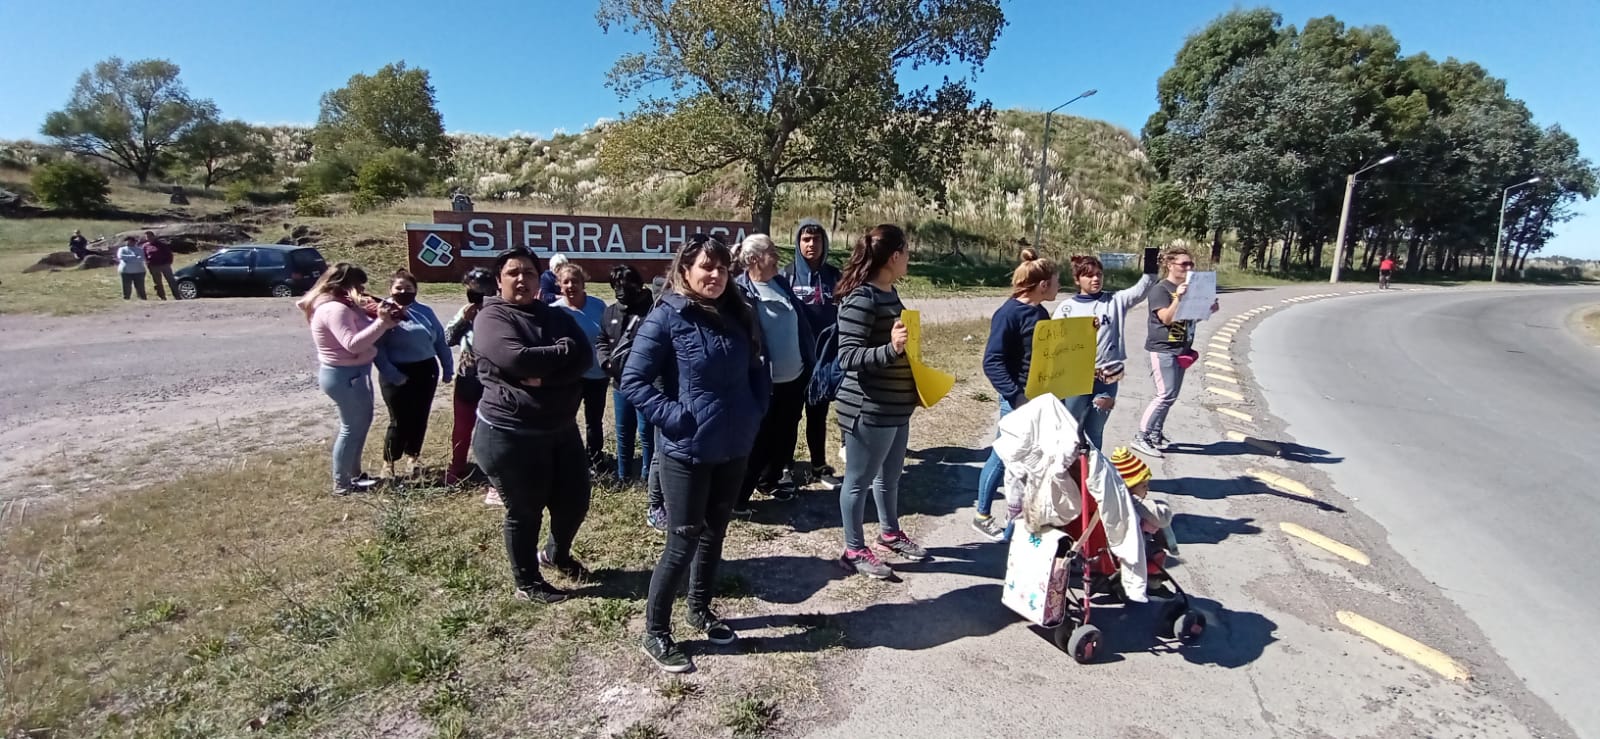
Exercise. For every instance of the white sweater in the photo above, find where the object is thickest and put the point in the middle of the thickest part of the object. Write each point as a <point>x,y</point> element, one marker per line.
<point>1109,311</point>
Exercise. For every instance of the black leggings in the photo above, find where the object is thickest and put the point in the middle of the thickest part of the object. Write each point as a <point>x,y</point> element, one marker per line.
<point>774,449</point>
<point>409,406</point>
<point>594,414</point>
<point>817,433</point>
<point>699,500</point>
<point>534,473</point>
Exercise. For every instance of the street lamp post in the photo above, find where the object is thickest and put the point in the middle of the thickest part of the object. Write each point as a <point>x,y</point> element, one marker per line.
<point>1344,216</point>
<point>1499,233</point>
<point>1044,153</point>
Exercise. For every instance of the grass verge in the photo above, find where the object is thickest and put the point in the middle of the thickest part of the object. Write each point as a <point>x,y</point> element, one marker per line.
<point>244,599</point>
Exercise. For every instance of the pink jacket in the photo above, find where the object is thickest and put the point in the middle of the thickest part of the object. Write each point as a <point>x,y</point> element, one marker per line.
<point>343,334</point>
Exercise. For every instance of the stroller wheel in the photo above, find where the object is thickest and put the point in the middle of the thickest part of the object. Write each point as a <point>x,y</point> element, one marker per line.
<point>1171,613</point>
<point>1084,644</point>
<point>1189,626</point>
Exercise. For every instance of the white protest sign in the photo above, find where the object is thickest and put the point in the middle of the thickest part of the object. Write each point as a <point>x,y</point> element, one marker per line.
<point>1196,303</point>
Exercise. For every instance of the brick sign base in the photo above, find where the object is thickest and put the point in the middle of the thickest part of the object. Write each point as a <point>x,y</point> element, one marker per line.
<point>443,251</point>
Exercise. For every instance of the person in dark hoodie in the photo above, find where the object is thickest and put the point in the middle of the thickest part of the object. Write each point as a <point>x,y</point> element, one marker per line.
<point>790,348</point>
<point>618,326</point>
<point>813,280</point>
<point>703,345</point>
<point>531,360</point>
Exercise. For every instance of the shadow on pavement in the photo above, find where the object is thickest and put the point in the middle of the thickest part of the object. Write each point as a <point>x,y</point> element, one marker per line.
<point>1193,528</point>
<point>1209,488</point>
<point>972,611</point>
<point>1287,450</point>
<point>937,481</point>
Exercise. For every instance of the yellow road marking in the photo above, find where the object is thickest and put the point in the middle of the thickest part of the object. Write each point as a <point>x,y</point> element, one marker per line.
<point>1344,550</point>
<point>1235,414</point>
<point>1225,393</point>
<point>1222,377</point>
<point>1219,347</point>
<point>1224,366</point>
<point>1225,332</point>
<point>1404,646</point>
<point>1282,483</point>
<point>1261,444</point>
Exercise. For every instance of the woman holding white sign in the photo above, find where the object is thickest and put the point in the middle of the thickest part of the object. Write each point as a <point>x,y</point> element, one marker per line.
<point>1108,311</point>
<point>1006,360</point>
<point>1168,343</point>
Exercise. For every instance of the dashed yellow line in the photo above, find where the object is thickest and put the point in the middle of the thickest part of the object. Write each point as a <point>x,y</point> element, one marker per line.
<point>1219,347</point>
<point>1263,445</point>
<point>1404,646</point>
<point>1315,539</point>
<point>1224,333</point>
<point>1222,377</point>
<point>1247,418</point>
<point>1214,364</point>
<point>1282,483</point>
<point>1229,394</point>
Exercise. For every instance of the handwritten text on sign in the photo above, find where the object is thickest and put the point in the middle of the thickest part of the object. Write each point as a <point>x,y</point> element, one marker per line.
<point>1063,358</point>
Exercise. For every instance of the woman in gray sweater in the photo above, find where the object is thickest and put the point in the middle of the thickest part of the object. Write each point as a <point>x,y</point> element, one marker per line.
<point>875,399</point>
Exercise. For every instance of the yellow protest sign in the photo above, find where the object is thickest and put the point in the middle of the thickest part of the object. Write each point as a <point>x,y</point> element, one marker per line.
<point>1062,363</point>
<point>932,385</point>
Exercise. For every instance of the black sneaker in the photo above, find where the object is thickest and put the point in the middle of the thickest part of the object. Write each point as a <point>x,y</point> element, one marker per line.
<point>902,545</point>
<point>826,477</point>
<point>666,653</point>
<point>785,488</point>
<point>991,528</point>
<point>568,566</point>
<point>542,592</point>
<point>715,630</point>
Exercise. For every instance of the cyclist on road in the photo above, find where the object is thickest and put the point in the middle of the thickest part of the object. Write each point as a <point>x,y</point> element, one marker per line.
<point>1385,268</point>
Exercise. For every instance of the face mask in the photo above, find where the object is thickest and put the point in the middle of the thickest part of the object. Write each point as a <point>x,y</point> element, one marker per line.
<point>404,298</point>
<point>474,297</point>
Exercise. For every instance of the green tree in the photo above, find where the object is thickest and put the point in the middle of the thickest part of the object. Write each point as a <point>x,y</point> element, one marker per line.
<point>72,186</point>
<point>222,150</point>
<point>395,108</point>
<point>128,114</point>
<point>799,92</point>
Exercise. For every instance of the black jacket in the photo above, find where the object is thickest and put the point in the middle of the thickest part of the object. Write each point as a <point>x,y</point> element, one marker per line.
<point>617,328</point>
<point>519,342</point>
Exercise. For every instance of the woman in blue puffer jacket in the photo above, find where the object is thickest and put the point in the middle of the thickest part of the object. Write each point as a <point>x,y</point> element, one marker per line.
<point>703,344</point>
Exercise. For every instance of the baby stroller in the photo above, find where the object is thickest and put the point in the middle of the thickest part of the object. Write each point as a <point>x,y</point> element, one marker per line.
<point>1081,566</point>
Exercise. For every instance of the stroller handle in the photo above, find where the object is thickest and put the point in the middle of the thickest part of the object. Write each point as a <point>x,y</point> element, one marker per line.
<point>1083,427</point>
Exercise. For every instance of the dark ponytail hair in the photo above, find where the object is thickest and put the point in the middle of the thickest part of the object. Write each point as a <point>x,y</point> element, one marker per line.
<point>872,251</point>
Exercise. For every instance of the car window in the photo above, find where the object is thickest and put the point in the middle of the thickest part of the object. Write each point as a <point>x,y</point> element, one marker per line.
<point>270,259</point>
<point>230,258</point>
<point>309,259</point>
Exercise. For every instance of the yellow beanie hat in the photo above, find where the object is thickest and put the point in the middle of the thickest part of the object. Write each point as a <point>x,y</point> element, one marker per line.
<point>1132,469</point>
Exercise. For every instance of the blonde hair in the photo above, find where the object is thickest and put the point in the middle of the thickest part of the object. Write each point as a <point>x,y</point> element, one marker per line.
<point>1170,252</point>
<point>569,268</point>
<point>334,284</point>
<point>1031,273</point>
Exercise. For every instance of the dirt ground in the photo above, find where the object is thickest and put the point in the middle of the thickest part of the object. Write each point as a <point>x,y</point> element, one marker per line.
<point>137,394</point>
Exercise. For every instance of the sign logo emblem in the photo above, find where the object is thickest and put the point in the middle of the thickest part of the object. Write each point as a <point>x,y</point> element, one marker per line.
<point>435,252</point>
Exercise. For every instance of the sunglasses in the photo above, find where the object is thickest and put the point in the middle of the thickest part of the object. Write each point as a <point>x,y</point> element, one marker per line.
<point>1183,264</point>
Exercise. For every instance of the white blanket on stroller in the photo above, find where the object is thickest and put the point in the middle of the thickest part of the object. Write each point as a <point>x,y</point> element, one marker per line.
<point>1038,443</point>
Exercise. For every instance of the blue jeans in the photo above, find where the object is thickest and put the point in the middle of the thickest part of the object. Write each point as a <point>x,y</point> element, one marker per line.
<point>351,391</point>
<point>1095,424</point>
<point>993,474</point>
<point>874,458</point>
<point>631,424</point>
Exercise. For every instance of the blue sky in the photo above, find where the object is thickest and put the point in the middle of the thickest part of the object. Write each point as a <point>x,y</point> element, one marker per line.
<point>540,65</point>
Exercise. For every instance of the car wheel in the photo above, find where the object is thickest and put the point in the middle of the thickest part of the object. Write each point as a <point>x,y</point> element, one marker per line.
<point>282,291</point>
<point>188,290</point>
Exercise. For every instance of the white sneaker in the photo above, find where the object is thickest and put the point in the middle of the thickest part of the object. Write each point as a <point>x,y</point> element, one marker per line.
<point>1143,445</point>
<point>493,498</point>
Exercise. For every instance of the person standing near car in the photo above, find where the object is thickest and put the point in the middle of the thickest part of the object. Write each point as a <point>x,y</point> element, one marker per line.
<point>159,258</point>
<point>131,268</point>
<point>618,326</point>
<point>531,360</point>
<point>703,346</point>
<point>589,311</point>
<point>813,279</point>
<point>789,345</point>
<point>345,328</point>
<point>409,360</point>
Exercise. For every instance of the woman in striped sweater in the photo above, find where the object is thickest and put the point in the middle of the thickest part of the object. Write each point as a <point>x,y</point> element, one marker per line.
<point>875,399</point>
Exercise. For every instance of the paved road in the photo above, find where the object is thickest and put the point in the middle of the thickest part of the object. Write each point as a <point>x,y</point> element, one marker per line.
<point>1470,427</point>
<point>939,656</point>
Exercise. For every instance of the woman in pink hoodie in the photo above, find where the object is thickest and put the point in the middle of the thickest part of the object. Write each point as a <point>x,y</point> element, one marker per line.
<point>346,324</point>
